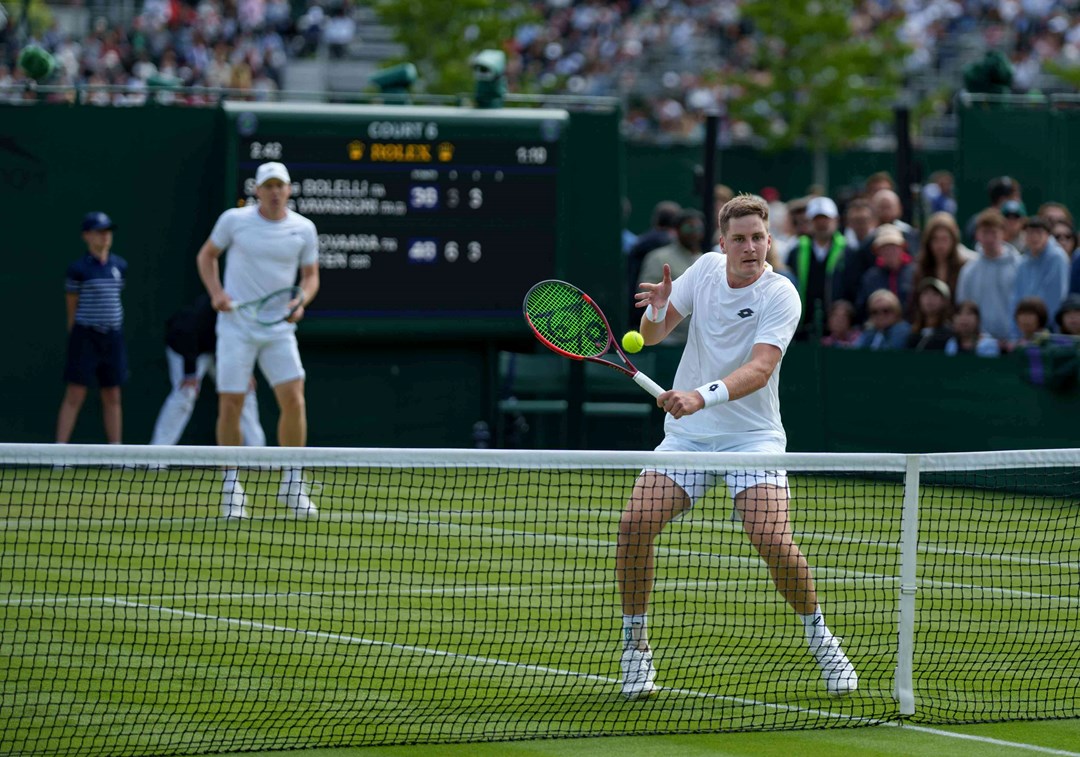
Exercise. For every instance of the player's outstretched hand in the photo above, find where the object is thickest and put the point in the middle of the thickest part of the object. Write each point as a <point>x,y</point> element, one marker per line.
<point>680,403</point>
<point>655,294</point>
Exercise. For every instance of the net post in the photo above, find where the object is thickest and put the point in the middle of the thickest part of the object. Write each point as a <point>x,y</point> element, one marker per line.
<point>909,542</point>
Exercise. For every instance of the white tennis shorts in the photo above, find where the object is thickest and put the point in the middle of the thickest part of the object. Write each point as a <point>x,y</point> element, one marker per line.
<point>697,483</point>
<point>239,348</point>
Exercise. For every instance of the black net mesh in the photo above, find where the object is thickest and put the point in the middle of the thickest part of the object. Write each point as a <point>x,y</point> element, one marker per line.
<point>436,602</point>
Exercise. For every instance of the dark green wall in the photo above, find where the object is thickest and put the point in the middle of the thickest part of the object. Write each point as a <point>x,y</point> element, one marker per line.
<point>156,173</point>
<point>666,172</point>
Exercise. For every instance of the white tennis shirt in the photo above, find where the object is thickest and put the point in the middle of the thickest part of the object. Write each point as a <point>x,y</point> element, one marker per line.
<point>727,323</point>
<point>262,255</point>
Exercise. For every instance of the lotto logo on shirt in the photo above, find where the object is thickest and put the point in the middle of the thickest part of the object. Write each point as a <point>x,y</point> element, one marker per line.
<point>745,313</point>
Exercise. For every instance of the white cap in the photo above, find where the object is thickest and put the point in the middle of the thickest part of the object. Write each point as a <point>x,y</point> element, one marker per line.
<point>821,206</point>
<point>268,171</point>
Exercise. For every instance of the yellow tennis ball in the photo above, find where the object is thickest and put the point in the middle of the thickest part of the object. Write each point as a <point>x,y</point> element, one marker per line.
<point>632,341</point>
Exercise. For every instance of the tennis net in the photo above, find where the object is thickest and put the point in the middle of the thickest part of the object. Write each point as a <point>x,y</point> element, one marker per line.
<point>467,595</point>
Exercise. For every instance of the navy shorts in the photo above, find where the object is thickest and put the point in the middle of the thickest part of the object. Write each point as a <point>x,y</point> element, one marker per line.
<point>94,354</point>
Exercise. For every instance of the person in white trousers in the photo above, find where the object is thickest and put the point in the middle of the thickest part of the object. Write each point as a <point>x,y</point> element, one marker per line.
<point>189,352</point>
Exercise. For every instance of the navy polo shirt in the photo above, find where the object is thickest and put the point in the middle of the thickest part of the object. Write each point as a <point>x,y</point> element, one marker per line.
<point>98,286</point>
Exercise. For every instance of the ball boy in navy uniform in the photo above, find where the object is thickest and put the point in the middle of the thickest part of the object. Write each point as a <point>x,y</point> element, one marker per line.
<point>95,319</point>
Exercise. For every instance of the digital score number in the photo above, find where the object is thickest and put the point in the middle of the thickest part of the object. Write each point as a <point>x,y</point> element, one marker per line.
<point>420,211</point>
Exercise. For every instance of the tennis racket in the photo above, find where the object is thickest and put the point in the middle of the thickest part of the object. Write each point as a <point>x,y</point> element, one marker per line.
<point>568,322</point>
<point>273,308</point>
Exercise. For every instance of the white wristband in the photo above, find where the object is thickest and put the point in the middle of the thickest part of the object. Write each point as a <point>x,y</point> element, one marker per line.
<point>714,393</point>
<point>656,316</point>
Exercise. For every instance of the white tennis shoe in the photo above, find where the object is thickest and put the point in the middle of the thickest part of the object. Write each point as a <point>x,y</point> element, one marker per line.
<point>836,668</point>
<point>234,503</point>
<point>294,496</point>
<point>638,673</point>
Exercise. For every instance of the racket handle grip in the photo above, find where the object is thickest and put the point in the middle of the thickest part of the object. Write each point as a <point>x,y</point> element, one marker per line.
<point>648,384</point>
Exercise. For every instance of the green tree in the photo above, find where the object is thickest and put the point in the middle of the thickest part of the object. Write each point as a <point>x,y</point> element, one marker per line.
<point>812,81</point>
<point>440,36</point>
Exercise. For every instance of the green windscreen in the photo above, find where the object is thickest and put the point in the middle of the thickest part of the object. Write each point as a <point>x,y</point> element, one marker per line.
<point>563,316</point>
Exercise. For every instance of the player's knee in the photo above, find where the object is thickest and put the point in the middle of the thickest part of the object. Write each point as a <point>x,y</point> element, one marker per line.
<point>230,406</point>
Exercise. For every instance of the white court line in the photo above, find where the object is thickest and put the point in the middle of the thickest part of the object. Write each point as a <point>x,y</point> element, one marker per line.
<point>495,661</point>
<point>666,584</point>
<point>753,562</point>
<point>347,639</point>
<point>984,739</point>
<point>77,523</point>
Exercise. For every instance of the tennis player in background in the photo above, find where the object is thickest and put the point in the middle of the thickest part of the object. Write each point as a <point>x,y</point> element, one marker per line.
<point>267,244</point>
<point>744,318</point>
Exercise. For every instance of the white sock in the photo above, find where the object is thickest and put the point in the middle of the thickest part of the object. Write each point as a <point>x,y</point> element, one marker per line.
<point>229,476</point>
<point>635,631</point>
<point>817,633</point>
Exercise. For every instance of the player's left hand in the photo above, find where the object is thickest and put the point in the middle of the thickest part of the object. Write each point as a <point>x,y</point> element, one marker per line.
<point>679,404</point>
<point>299,311</point>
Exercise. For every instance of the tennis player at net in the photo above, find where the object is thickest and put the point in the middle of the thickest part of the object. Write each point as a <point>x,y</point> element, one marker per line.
<point>267,243</point>
<point>744,318</point>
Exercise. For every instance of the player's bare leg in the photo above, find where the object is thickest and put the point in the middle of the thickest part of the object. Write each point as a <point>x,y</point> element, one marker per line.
<point>70,405</point>
<point>112,414</point>
<point>230,406</point>
<point>292,426</point>
<point>656,499</point>
<point>764,511</point>
<point>292,432</point>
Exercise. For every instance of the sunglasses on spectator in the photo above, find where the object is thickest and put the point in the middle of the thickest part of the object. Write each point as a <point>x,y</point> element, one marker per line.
<point>881,311</point>
<point>1064,235</point>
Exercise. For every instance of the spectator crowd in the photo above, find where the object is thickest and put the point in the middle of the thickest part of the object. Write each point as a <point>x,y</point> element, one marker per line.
<point>669,60</point>
<point>1004,280</point>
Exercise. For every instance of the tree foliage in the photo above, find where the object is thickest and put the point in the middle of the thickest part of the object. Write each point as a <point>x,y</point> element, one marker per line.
<point>811,80</point>
<point>440,36</point>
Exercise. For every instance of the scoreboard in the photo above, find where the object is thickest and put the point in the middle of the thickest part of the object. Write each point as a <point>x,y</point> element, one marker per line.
<point>422,213</point>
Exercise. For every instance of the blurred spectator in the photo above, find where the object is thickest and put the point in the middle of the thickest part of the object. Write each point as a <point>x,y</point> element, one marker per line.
<point>842,330</point>
<point>878,181</point>
<point>859,257</point>
<point>930,329</point>
<point>1015,214</point>
<point>339,32</point>
<point>679,254</point>
<point>798,220</point>
<point>988,280</point>
<point>886,329</point>
<point>889,209</point>
<point>968,336</point>
<point>893,270</point>
<point>1068,317</point>
<point>1044,268</point>
<point>937,195</point>
<point>999,190</point>
<point>1030,318</point>
<point>1065,235</point>
<point>941,255</point>
<point>628,237</point>
<point>664,217</point>
<point>816,260</point>
<point>1056,212</point>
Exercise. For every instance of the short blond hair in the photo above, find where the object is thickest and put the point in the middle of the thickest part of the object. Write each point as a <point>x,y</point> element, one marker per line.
<point>743,205</point>
<point>887,298</point>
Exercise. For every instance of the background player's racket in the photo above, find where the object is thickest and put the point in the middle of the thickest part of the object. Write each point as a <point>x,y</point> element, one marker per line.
<point>568,322</point>
<point>273,308</point>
